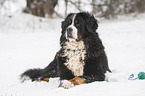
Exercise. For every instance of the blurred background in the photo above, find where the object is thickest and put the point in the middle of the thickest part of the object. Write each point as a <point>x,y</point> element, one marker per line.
<point>60,8</point>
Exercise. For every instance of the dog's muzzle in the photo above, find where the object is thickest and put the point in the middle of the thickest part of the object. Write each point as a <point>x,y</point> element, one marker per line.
<point>69,32</point>
<point>72,32</point>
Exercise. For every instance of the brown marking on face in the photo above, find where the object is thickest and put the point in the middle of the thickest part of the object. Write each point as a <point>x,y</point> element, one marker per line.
<point>76,21</point>
<point>69,21</point>
<point>77,80</point>
<point>79,36</point>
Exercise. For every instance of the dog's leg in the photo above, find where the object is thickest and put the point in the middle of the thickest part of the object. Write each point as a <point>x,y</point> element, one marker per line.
<point>85,79</point>
<point>70,83</point>
<point>64,73</point>
<point>45,79</point>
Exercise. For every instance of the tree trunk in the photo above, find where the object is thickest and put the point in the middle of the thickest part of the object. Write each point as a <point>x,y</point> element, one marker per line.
<point>42,8</point>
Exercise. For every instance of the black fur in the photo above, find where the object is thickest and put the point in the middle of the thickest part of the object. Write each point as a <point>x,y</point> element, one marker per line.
<point>96,63</point>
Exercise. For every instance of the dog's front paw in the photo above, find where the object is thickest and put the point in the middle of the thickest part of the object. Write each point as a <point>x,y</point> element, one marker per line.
<point>66,84</point>
<point>77,80</point>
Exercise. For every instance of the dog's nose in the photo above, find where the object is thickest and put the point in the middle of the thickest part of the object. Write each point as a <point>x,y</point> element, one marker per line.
<point>69,32</point>
<point>69,29</point>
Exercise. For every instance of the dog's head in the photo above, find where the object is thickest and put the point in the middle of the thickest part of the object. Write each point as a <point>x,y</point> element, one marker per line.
<point>78,26</point>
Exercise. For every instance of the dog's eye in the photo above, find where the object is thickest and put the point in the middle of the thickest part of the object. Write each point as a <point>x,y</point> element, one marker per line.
<point>69,21</point>
<point>76,21</point>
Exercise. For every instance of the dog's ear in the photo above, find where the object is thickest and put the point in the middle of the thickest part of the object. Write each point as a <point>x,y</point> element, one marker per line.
<point>91,23</point>
<point>62,26</point>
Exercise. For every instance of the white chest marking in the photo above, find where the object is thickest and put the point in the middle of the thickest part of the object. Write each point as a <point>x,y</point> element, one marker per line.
<point>75,53</point>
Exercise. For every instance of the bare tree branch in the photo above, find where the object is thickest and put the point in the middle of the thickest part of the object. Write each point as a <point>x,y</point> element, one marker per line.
<point>75,5</point>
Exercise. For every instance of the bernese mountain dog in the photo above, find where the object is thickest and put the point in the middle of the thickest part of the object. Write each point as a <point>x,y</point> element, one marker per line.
<point>81,58</point>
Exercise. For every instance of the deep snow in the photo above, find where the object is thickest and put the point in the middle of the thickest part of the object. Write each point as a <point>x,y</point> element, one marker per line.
<point>30,42</point>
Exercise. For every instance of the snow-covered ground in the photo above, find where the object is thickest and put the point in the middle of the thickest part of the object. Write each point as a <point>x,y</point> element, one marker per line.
<point>30,42</point>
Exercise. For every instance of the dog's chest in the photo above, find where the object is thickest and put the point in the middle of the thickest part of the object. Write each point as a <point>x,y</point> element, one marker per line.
<point>75,53</point>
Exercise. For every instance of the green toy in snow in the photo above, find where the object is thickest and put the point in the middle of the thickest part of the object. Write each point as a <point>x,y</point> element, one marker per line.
<point>140,76</point>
